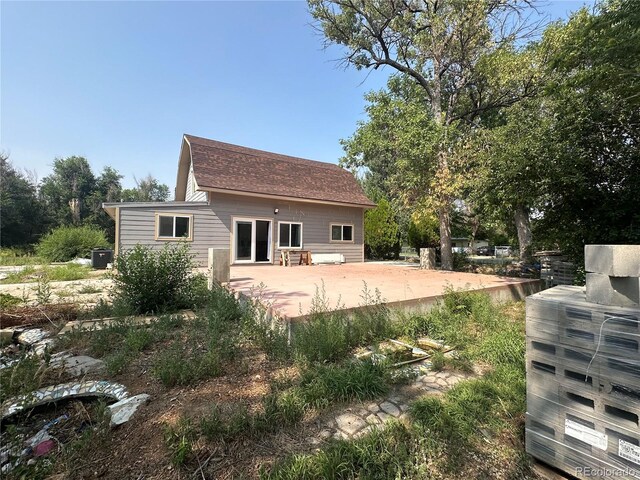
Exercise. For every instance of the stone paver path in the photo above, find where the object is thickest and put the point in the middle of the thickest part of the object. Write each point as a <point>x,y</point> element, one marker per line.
<point>360,419</point>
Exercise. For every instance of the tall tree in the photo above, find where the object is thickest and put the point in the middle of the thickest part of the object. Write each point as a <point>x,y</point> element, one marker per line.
<point>148,189</point>
<point>512,161</point>
<point>67,189</point>
<point>452,50</point>
<point>107,189</point>
<point>21,216</point>
<point>595,96</point>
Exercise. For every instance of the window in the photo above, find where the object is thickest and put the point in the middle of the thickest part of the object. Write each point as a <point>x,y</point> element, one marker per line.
<point>173,227</point>
<point>341,233</point>
<point>290,235</point>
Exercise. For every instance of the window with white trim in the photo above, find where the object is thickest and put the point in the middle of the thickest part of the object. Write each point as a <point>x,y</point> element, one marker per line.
<point>173,227</point>
<point>341,233</point>
<point>289,235</point>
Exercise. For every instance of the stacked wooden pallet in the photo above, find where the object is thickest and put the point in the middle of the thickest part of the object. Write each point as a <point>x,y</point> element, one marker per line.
<point>583,377</point>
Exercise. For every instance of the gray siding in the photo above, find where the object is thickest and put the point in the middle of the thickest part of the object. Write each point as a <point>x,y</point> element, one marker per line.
<point>137,225</point>
<point>191,195</point>
<point>315,219</point>
<point>212,225</point>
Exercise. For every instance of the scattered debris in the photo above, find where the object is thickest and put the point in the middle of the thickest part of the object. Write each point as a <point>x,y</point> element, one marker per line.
<point>402,353</point>
<point>44,447</point>
<point>123,410</point>
<point>32,336</point>
<point>35,315</point>
<point>55,393</point>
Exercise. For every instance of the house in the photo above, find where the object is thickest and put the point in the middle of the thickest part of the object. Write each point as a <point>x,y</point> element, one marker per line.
<point>463,244</point>
<point>253,203</point>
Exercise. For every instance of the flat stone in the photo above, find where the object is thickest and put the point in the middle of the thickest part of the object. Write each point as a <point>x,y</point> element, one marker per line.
<point>384,416</point>
<point>350,423</point>
<point>80,365</point>
<point>325,434</point>
<point>123,410</point>
<point>373,420</point>
<point>390,408</point>
<point>373,407</point>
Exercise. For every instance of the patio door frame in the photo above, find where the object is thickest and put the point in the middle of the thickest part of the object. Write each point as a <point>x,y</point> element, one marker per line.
<point>234,236</point>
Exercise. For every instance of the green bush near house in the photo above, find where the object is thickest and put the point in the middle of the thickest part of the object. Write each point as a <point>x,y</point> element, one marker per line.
<point>157,281</point>
<point>381,232</point>
<point>66,243</point>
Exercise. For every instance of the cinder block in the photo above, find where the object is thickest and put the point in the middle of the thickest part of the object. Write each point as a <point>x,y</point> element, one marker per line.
<point>618,291</point>
<point>613,260</point>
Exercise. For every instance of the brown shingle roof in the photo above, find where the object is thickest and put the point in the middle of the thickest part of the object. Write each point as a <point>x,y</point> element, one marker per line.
<point>231,167</point>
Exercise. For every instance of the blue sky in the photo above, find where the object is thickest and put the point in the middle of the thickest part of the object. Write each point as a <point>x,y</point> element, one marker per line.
<point>120,82</point>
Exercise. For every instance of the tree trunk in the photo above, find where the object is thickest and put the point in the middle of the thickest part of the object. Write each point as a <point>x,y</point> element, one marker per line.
<point>74,205</point>
<point>523,225</point>
<point>446,256</point>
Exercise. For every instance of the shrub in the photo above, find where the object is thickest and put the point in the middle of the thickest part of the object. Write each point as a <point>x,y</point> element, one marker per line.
<point>381,232</point>
<point>7,300</point>
<point>66,243</point>
<point>423,232</point>
<point>155,281</point>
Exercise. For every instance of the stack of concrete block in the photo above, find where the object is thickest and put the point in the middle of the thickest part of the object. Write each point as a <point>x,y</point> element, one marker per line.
<point>583,369</point>
<point>613,274</point>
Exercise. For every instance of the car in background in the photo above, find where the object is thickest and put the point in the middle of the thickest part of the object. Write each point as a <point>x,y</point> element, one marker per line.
<point>486,250</point>
<point>504,251</point>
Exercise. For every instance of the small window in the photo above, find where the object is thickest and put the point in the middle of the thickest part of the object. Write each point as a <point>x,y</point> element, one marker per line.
<point>290,235</point>
<point>174,227</point>
<point>341,233</point>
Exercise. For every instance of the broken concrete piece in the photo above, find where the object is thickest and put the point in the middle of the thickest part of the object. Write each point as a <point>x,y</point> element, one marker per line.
<point>29,337</point>
<point>123,410</point>
<point>42,346</point>
<point>64,391</point>
<point>78,365</point>
<point>618,291</point>
<point>6,336</point>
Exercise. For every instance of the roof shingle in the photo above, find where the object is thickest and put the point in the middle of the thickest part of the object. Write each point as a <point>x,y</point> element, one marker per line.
<point>224,166</point>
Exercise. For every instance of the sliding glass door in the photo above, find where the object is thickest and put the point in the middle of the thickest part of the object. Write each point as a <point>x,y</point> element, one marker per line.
<point>252,240</point>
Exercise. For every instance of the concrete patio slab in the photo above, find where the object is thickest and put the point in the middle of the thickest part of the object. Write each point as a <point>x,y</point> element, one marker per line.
<point>289,291</point>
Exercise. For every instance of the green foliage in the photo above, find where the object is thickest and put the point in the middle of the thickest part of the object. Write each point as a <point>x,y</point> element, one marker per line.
<point>180,365</point>
<point>179,439</point>
<point>71,181</point>
<point>382,454</point>
<point>381,232</point>
<point>43,289</point>
<point>322,385</point>
<point>7,301</point>
<point>18,256</point>
<point>460,260</point>
<point>22,219</point>
<point>25,376</point>
<point>156,281</point>
<point>444,438</point>
<point>424,231</point>
<point>329,336</point>
<point>147,189</point>
<point>61,273</point>
<point>66,243</point>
